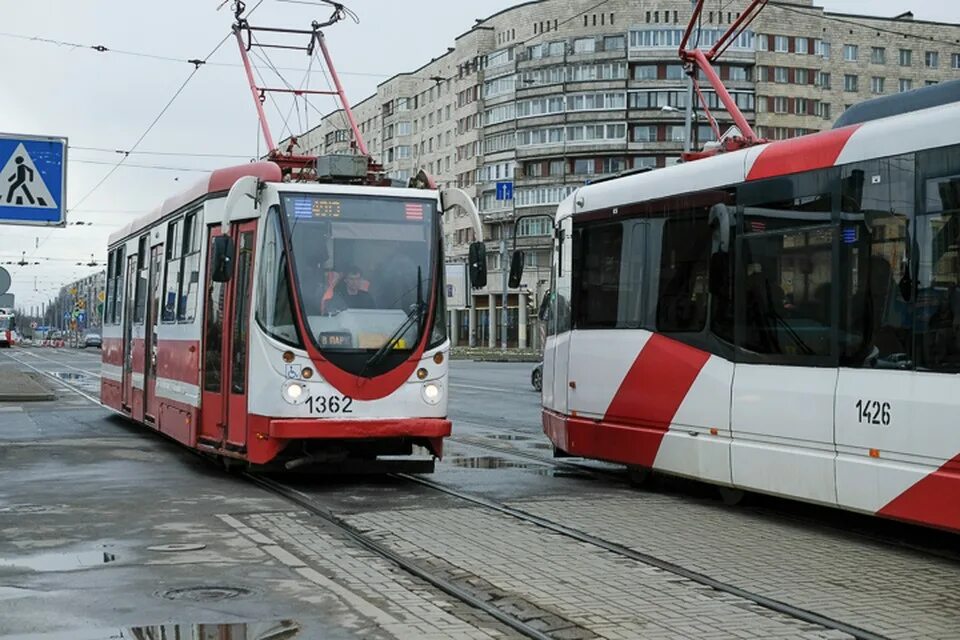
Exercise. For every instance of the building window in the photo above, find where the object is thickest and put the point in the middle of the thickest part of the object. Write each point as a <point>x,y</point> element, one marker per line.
<point>781,44</point>
<point>878,55</point>
<point>906,57</point>
<point>645,72</point>
<point>823,110</point>
<point>800,106</point>
<point>675,72</point>
<point>955,60</point>
<point>739,74</point>
<point>802,45</point>
<point>849,83</point>
<point>781,75</point>
<point>584,166</point>
<point>645,133</point>
<point>780,104</point>
<point>932,59</point>
<point>823,48</point>
<point>905,85</point>
<point>801,76</point>
<point>876,85</point>
<point>557,168</point>
<point>823,79</point>
<point>851,52</point>
<point>614,43</point>
<point>584,45</point>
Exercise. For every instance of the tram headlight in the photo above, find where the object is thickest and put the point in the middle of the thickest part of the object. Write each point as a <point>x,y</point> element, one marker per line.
<point>431,392</point>
<point>293,392</point>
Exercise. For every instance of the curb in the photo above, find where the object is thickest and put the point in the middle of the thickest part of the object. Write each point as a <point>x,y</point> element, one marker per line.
<point>42,394</point>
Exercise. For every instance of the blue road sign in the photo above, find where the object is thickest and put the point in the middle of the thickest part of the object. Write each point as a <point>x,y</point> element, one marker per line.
<point>42,328</point>
<point>33,179</point>
<point>67,315</point>
<point>504,191</point>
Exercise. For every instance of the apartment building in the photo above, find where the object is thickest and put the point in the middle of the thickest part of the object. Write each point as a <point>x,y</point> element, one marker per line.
<point>551,94</point>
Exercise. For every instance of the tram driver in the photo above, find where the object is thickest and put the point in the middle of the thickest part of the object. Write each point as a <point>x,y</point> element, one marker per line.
<point>349,293</point>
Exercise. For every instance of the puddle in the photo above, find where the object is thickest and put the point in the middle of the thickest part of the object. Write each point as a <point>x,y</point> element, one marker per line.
<point>280,630</point>
<point>493,462</point>
<point>71,376</point>
<point>60,561</point>
<point>506,436</point>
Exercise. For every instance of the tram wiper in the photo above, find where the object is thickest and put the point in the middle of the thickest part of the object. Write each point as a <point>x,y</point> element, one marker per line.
<point>416,315</point>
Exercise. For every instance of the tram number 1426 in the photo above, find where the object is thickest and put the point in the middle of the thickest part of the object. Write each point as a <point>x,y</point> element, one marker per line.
<point>873,412</point>
<point>329,404</point>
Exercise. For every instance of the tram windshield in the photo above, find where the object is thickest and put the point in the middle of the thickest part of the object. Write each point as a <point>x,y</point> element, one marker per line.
<point>5,322</point>
<point>363,266</point>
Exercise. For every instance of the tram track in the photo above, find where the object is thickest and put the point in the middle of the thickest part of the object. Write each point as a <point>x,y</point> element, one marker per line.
<point>771,604</point>
<point>829,519</point>
<point>439,582</point>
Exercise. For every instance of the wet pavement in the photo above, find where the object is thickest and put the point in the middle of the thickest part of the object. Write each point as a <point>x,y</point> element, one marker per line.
<point>107,531</point>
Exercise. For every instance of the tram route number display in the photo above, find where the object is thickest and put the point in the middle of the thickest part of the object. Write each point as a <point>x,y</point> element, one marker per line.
<point>873,412</point>
<point>324,405</point>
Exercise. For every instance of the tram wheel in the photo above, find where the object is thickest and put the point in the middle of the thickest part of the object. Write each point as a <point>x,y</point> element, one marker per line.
<point>638,476</point>
<point>731,497</point>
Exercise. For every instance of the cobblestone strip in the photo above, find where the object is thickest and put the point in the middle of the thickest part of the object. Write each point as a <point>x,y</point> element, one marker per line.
<point>611,596</point>
<point>396,604</point>
<point>899,593</point>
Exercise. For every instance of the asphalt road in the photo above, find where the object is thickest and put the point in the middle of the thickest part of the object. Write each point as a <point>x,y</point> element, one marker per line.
<point>493,395</point>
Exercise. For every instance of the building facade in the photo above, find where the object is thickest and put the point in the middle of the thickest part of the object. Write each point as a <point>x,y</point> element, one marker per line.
<point>551,94</point>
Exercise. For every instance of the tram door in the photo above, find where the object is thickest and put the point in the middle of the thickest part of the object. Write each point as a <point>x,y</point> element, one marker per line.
<point>128,306</point>
<point>223,420</point>
<point>150,335</point>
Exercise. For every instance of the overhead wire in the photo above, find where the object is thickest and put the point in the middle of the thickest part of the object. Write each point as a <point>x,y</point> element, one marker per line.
<point>179,154</point>
<point>151,56</point>
<point>149,128</point>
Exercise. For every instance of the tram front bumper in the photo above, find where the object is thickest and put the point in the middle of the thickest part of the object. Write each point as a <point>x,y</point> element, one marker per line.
<point>310,428</point>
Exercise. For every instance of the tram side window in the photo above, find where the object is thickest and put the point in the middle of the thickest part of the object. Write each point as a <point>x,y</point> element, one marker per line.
<point>684,266</point>
<point>111,292</point>
<point>784,271</point>
<point>938,272</point>
<point>189,283</point>
<point>876,319</point>
<point>143,271</point>
<point>596,275</point>
<point>116,311</point>
<point>274,310</point>
<point>241,324</point>
<point>172,278</point>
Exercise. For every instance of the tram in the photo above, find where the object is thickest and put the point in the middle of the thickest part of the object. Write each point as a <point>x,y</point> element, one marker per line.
<point>7,328</point>
<point>783,318</point>
<point>282,324</point>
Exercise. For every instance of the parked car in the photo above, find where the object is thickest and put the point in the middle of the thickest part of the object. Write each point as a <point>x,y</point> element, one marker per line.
<point>92,340</point>
<point>536,377</point>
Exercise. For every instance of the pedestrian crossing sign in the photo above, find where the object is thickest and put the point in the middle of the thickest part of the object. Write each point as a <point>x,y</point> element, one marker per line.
<point>33,180</point>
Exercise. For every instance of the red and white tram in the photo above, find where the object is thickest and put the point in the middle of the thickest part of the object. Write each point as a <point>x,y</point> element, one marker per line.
<point>7,328</point>
<point>271,322</point>
<point>782,319</point>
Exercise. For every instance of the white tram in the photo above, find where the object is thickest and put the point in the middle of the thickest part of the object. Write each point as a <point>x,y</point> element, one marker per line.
<point>782,319</point>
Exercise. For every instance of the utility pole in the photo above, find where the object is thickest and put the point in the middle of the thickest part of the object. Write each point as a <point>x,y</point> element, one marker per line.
<point>688,116</point>
<point>504,261</point>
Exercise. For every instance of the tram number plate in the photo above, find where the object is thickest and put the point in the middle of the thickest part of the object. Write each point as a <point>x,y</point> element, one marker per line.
<point>329,404</point>
<point>873,412</point>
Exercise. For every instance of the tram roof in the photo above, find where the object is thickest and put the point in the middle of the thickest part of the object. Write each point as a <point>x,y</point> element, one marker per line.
<point>218,181</point>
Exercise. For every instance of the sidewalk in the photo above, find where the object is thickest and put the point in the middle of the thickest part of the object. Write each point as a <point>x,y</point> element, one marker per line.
<point>18,386</point>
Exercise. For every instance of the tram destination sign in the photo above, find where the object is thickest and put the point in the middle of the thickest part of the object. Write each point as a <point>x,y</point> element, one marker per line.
<point>33,180</point>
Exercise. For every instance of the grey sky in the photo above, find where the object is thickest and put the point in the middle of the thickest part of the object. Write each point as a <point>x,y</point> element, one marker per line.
<point>108,99</point>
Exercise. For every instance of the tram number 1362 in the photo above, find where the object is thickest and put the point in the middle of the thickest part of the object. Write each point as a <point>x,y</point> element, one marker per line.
<point>323,405</point>
<point>873,412</point>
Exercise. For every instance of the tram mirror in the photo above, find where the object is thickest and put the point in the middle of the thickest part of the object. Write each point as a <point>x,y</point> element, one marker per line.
<point>516,269</point>
<point>478,265</point>
<point>544,312</point>
<point>221,260</point>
